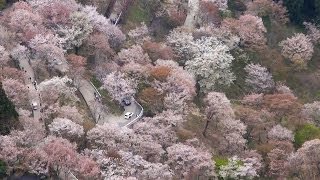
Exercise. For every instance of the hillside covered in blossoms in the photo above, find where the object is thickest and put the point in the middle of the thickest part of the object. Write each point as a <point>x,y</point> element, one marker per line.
<point>159,89</point>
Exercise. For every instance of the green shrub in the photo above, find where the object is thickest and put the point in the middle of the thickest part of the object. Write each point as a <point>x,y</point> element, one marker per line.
<point>220,161</point>
<point>3,169</point>
<point>2,4</point>
<point>306,133</point>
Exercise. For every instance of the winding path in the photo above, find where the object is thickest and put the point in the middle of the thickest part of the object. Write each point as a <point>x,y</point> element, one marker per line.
<point>34,95</point>
<point>100,114</point>
<point>193,8</point>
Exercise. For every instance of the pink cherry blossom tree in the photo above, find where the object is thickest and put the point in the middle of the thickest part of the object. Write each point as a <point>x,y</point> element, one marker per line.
<point>56,87</point>
<point>276,10</point>
<point>258,78</point>
<point>70,112</point>
<point>304,163</point>
<point>25,21</point>
<point>102,24</point>
<point>218,108</point>
<point>87,168</point>
<point>65,128</point>
<point>183,159</point>
<point>9,152</point>
<point>134,54</point>
<point>313,32</point>
<point>78,31</point>
<point>109,136</point>
<point>61,154</point>
<point>240,168</point>
<point>280,133</point>
<point>36,161</point>
<point>16,92</point>
<point>249,28</point>
<point>298,49</point>
<point>119,86</point>
<point>4,56</point>
<point>278,159</point>
<point>179,85</point>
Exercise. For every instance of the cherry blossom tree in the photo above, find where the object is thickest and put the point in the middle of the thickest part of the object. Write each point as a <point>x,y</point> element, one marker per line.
<point>258,78</point>
<point>232,141</point>
<point>232,130</point>
<point>52,89</point>
<point>177,83</point>
<point>249,28</point>
<point>311,112</point>
<point>20,53</point>
<point>211,63</point>
<point>281,88</point>
<point>125,165</point>
<point>139,34</point>
<point>9,152</point>
<point>54,12</point>
<point>87,168</point>
<point>165,136</point>
<point>313,32</point>
<point>6,37</point>
<point>145,170</point>
<point>253,99</point>
<point>79,30</point>
<point>208,13</point>
<point>112,138</point>
<point>14,73</point>
<point>16,92</point>
<point>66,128</point>
<point>4,56</point>
<point>183,159</point>
<point>180,41</point>
<point>157,50</point>
<point>298,49</point>
<point>77,68</point>
<point>48,51</point>
<point>278,159</point>
<point>118,86</point>
<point>282,104</point>
<point>24,21</point>
<point>280,133</point>
<point>160,127</point>
<point>104,25</point>
<point>222,33</point>
<point>97,48</point>
<point>270,8</point>
<point>221,4</point>
<point>61,153</point>
<point>50,39</point>
<point>218,108</point>
<point>304,163</point>
<point>36,161</point>
<point>70,112</point>
<point>33,132</point>
<point>109,136</point>
<point>134,54</point>
<point>239,168</point>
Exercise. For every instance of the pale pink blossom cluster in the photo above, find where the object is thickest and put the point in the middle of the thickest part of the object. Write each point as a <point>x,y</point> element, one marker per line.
<point>313,32</point>
<point>280,133</point>
<point>298,48</point>
<point>258,78</point>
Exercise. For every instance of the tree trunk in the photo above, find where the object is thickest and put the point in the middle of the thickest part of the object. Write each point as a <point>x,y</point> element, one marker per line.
<point>109,9</point>
<point>205,128</point>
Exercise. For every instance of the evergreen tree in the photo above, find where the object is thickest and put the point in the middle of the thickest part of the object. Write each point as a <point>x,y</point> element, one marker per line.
<point>8,114</point>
